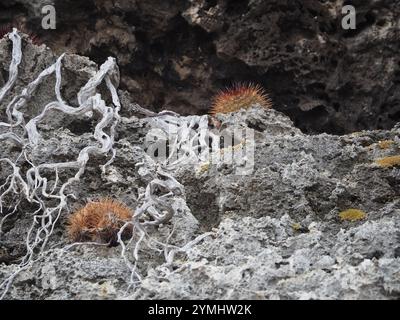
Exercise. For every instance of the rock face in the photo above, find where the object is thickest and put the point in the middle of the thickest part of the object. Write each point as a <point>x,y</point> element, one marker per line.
<point>276,233</point>
<point>177,54</point>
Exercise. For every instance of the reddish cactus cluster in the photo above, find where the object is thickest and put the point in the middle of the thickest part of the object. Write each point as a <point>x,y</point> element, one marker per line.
<point>7,28</point>
<point>99,221</point>
<point>240,96</point>
<point>4,29</point>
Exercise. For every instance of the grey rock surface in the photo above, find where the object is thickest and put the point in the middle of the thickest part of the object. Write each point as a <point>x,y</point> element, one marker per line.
<point>177,54</point>
<point>277,233</point>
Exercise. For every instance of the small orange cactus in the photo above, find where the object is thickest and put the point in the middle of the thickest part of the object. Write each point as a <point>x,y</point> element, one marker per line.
<point>4,29</point>
<point>7,28</point>
<point>240,96</point>
<point>99,221</point>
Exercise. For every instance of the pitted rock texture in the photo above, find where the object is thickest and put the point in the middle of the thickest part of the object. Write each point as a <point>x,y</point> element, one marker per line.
<point>277,231</point>
<point>177,54</point>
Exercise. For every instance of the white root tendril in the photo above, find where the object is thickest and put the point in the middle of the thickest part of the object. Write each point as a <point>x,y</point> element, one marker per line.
<point>164,196</point>
<point>31,184</point>
<point>28,184</point>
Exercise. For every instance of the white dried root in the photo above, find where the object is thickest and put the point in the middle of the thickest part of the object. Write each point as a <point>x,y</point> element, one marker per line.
<point>33,186</point>
<point>164,196</point>
<point>162,199</point>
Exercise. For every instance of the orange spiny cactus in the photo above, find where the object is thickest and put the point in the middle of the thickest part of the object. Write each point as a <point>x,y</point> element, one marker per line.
<point>99,221</point>
<point>7,28</point>
<point>4,29</point>
<point>240,96</point>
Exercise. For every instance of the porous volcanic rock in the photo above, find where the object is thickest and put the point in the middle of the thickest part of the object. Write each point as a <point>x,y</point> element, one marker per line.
<point>176,54</point>
<point>277,232</point>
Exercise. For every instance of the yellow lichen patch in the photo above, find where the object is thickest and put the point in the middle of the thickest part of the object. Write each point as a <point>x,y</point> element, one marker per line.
<point>233,149</point>
<point>296,226</point>
<point>385,144</point>
<point>388,162</point>
<point>299,228</point>
<point>204,168</point>
<point>356,134</point>
<point>240,97</point>
<point>352,215</point>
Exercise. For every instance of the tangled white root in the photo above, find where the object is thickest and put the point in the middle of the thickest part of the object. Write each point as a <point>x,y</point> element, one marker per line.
<point>33,185</point>
<point>160,201</point>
